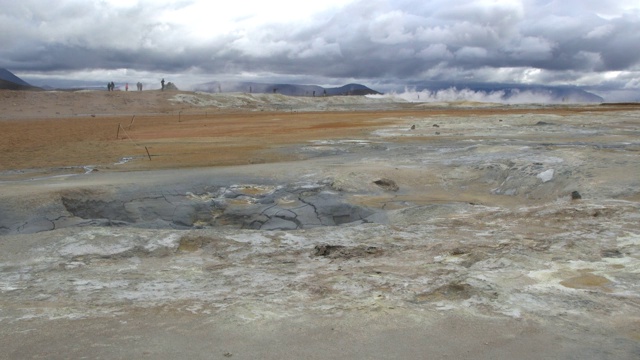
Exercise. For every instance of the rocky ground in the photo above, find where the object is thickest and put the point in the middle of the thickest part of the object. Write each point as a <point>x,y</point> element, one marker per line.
<point>375,230</point>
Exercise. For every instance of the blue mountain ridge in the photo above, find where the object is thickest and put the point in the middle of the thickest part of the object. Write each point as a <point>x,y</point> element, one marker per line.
<point>7,75</point>
<point>10,81</point>
<point>284,89</point>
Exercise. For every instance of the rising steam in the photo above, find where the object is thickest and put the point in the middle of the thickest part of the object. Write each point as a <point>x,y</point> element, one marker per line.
<point>502,96</point>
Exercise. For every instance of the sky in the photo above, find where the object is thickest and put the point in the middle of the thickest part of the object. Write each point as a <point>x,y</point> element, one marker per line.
<point>384,44</point>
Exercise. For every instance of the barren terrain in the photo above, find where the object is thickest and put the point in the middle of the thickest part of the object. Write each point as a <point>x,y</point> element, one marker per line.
<point>175,224</point>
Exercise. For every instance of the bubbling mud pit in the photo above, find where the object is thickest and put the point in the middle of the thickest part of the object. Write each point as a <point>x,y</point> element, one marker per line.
<point>469,243</point>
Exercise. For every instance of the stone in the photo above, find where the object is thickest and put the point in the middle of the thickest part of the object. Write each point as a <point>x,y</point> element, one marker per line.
<point>387,184</point>
<point>575,195</point>
<point>546,175</point>
<point>346,252</point>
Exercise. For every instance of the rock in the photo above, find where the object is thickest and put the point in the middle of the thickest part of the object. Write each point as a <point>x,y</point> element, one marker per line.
<point>346,252</point>
<point>387,184</point>
<point>611,253</point>
<point>543,123</point>
<point>575,195</point>
<point>546,175</point>
<point>325,250</point>
<point>171,87</point>
<point>436,125</point>
<point>451,291</point>
<point>413,127</point>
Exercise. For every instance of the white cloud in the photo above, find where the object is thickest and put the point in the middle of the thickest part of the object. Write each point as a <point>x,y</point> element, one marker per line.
<point>471,53</point>
<point>551,41</point>
<point>389,28</point>
<point>588,60</point>
<point>633,83</point>
<point>532,48</point>
<point>319,48</point>
<point>600,32</point>
<point>435,52</point>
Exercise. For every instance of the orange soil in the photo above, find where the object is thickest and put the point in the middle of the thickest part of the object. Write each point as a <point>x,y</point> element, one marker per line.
<point>185,139</point>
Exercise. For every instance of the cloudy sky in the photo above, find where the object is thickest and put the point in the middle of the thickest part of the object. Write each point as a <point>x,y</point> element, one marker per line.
<point>380,43</point>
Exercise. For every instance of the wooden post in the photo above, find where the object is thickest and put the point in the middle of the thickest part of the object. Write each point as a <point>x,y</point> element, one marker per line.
<point>148,153</point>
<point>131,121</point>
<point>118,133</point>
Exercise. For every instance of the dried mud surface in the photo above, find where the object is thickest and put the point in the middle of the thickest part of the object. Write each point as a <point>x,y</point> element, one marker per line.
<point>163,225</point>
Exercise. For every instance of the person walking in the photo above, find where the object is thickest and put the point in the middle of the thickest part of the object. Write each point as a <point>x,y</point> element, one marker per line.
<point>162,83</point>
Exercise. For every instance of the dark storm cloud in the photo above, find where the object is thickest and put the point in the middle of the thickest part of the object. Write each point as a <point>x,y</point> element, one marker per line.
<point>529,40</point>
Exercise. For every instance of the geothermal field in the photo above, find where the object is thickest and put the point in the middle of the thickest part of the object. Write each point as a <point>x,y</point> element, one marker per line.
<point>167,225</point>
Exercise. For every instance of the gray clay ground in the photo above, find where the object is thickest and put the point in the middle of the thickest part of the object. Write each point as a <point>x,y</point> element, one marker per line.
<point>480,252</point>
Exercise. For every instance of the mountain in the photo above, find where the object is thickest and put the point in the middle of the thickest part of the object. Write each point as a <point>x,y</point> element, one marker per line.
<point>569,94</point>
<point>352,89</point>
<point>284,89</point>
<point>8,81</point>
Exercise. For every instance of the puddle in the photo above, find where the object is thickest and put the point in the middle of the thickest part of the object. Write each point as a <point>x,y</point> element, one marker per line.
<point>124,160</point>
<point>586,281</point>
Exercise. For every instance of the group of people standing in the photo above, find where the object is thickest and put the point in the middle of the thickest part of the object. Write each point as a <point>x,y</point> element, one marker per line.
<point>111,86</point>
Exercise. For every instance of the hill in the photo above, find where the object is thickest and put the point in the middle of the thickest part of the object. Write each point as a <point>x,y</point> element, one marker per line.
<point>9,81</point>
<point>284,89</point>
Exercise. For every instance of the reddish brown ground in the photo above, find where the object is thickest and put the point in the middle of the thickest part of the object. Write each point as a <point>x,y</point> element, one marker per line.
<point>58,129</point>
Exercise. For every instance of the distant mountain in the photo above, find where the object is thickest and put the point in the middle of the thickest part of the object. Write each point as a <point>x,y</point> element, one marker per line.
<point>8,81</point>
<point>569,94</point>
<point>352,89</point>
<point>284,89</point>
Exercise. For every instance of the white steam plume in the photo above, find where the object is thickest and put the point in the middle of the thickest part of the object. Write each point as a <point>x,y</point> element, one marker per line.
<point>452,94</point>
